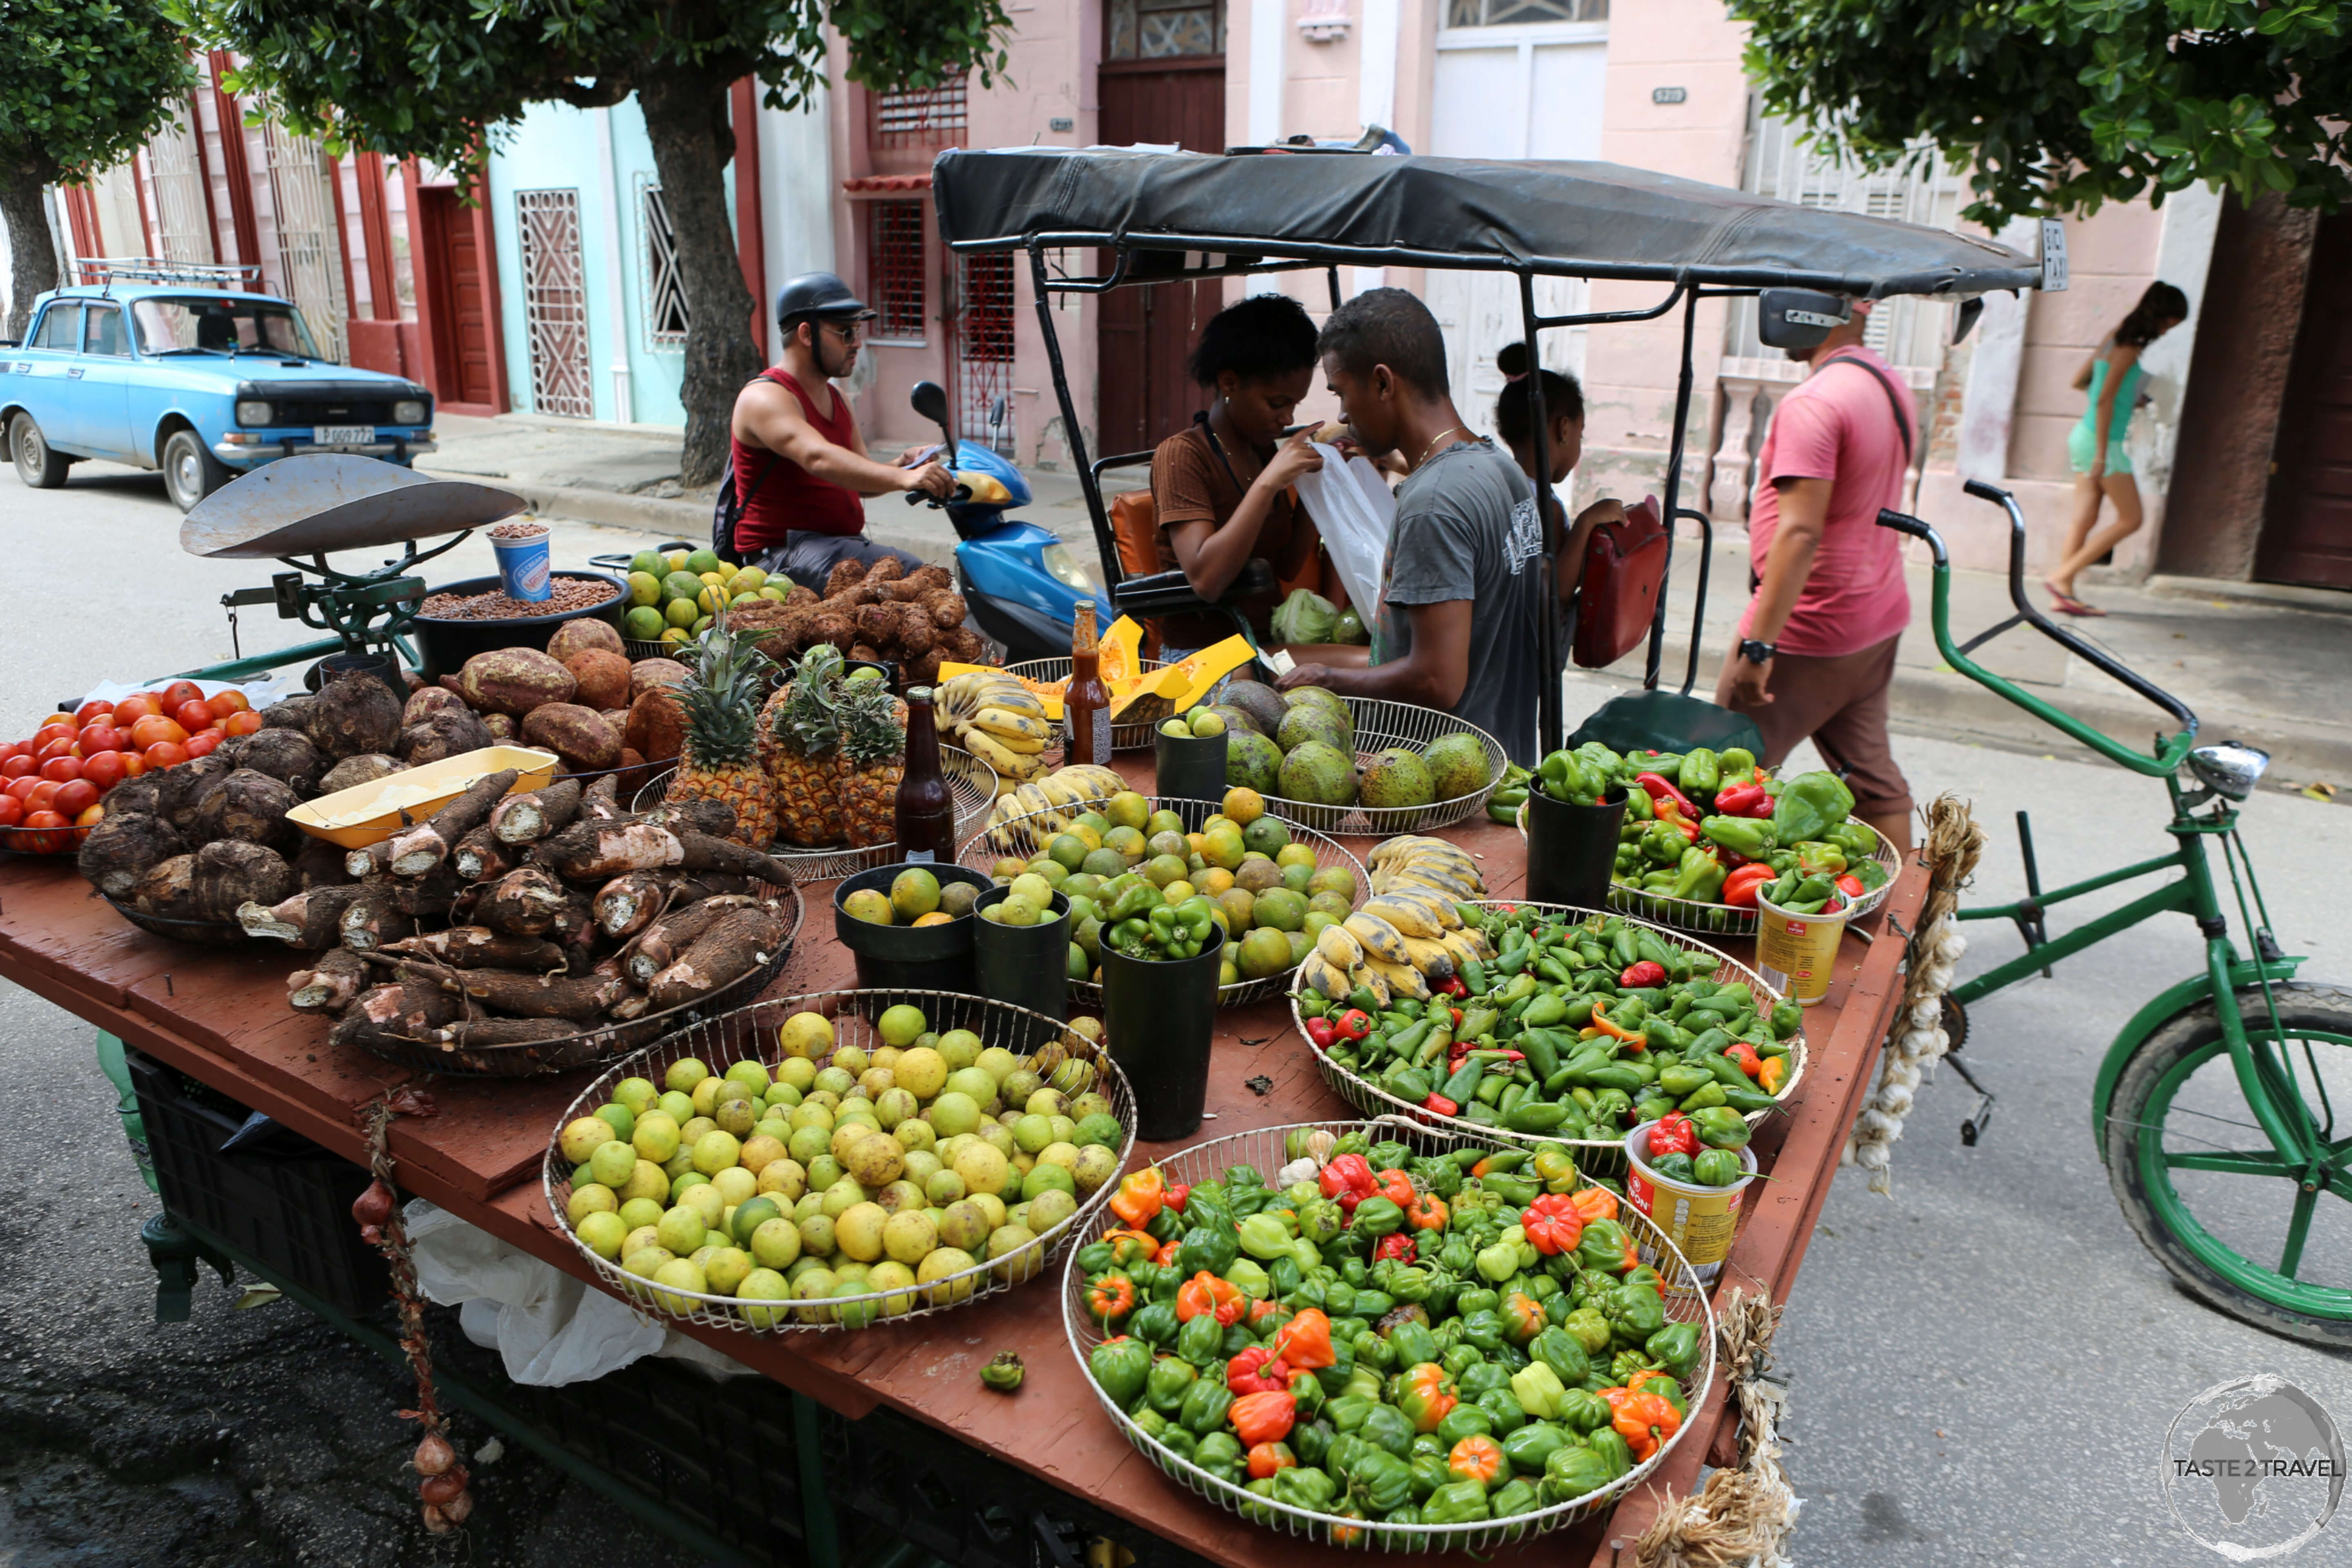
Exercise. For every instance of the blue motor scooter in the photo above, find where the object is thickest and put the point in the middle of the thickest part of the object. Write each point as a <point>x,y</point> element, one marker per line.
<point>1020,582</point>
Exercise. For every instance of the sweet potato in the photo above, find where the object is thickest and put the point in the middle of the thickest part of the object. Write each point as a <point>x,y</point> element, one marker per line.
<point>479,856</point>
<point>736,943</point>
<point>502,727</point>
<point>363,769</point>
<point>312,921</point>
<point>600,677</point>
<point>635,772</point>
<point>329,985</point>
<point>125,847</point>
<point>655,674</point>
<point>356,712</point>
<point>533,815</point>
<point>522,903</point>
<point>479,947</point>
<point>579,736</point>
<point>585,635</point>
<point>452,733</point>
<point>250,806</point>
<point>371,920</point>
<point>423,846</point>
<point>656,727</point>
<point>514,681</point>
<point>427,701</point>
<point>231,872</point>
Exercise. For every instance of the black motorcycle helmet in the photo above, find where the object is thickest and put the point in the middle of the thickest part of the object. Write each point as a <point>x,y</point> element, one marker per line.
<point>818,295</point>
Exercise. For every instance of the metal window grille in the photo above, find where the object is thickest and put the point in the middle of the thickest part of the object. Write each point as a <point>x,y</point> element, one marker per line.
<point>985,349</point>
<point>920,116</point>
<point>666,316</point>
<point>309,231</point>
<point>183,230</point>
<point>1519,12</point>
<point>556,302</point>
<point>896,260</point>
<point>1165,29</point>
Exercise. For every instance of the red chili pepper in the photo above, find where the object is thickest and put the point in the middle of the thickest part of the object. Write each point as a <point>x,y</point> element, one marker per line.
<point>1346,1175</point>
<point>1456,1012</point>
<point>1322,1033</point>
<point>1396,1245</point>
<point>1851,886</point>
<point>1258,1370</point>
<point>1661,790</point>
<point>1739,887</point>
<point>1740,800</point>
<point>1440,1104</point>
<point>1455,987</point>
<point>1173,1195</point>
<point>1648,972</point>
<point>1353,1026</point>
<point>1674,1134</point>
<point>1745,1055</point>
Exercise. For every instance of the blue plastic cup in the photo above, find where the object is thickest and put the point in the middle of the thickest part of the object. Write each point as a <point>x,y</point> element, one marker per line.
<point>525,572</point>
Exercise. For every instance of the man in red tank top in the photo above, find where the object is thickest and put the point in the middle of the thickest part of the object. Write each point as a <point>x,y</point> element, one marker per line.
<point>800,468</point>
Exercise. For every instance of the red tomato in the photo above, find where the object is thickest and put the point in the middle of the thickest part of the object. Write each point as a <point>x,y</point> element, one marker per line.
<point>154,728</point>
<point>202,743</point>
<point>105,770</point>
<point>51,731</point>
<point>134,764</point>
<point>12,811</point>
<point>13,748</point>
<point>60,719</point>
<point>225,703</point>
<point>131,709</point>
<point>42,796</point>
<point>18,788</point>
<point>58,749</point>
<point>88,817</point>
<point>164,755</point>
<point>181,692</point>
<point>77,797</point>
<point>89,712</point>
<point>19,765</point>
<point>101,736</point>
<point>244,721</point>
<point>193,716</point>
<point>61,770</point>
<point>47,833</point>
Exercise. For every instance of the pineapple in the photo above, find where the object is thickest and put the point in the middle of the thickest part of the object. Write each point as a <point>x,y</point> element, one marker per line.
<point>872,757</point>
<point>799,745</point>
<point>721,760</point>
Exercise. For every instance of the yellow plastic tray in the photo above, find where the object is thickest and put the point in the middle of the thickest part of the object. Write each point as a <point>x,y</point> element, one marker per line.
<point>370,813</point>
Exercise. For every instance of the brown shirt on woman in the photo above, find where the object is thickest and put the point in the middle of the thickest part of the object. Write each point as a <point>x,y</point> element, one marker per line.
<point>1188,484</point>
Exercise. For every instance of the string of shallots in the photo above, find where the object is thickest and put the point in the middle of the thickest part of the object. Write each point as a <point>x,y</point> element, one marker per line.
<point>443,1493</point>
<point>1917,1039</point>
<point>1742,1515</point>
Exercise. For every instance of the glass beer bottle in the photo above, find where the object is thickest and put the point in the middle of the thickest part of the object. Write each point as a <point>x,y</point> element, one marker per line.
<point>924,812</point>
<point>1087,704</point>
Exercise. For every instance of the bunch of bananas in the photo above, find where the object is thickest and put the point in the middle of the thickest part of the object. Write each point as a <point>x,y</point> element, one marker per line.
<point>1408,939</point>
<point>998,719</point>
<point>1045,804</point>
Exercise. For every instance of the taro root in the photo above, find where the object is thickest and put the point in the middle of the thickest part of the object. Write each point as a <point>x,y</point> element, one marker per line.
<point>144,794</point>
<point>959,643</point>
<point>363,769</point>
<point>600,678</point>
<point>514,681</point>
<point>799,596</point>
<point>650,674</point>
<point>865,653</point>
<point>945,608</point>
<point>355,713</point>
<point>449,734</point>
<point>932,576</point>
<point>125,847</point>
<point>924,671</point>
<point>284,754</point>
<point>425,701</point>
<point>290,713</point>
<point>503,730</point>
<point>587,634</point>
<point>168,889</point>
<point>230,872</point>
<point>319,864</point>
<point>830,624</point>
<point>578,735</point>
<point>656,727</point>
<point>889,569</point>
<point>185,786</point>
<point>915,632</point>
<point>845,573</point>
<point>248,805</point>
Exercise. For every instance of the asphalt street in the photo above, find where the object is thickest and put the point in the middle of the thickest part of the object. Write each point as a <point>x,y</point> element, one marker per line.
<point>1982,1366</point>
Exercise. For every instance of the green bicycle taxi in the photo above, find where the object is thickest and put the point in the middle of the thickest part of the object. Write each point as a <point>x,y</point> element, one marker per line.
<point>2228,1074</point>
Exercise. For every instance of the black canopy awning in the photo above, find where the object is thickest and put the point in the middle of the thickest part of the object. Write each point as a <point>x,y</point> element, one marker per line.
<point>1572,219</point>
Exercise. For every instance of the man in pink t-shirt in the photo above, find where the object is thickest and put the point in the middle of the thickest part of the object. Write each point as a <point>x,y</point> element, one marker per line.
<point>1816,649</point>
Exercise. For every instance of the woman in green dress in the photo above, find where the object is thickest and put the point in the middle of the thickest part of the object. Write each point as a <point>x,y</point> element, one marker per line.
<point>2103,471</point>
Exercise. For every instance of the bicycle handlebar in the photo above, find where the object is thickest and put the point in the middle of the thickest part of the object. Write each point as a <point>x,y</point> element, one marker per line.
<point>2171,750</point>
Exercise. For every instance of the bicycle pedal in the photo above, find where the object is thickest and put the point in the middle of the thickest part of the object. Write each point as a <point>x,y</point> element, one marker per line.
<point>1974,1127</point>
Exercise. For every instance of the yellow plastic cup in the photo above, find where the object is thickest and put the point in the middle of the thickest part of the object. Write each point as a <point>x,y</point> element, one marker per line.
<point>1795,953</point>
<point>1700,1221</point>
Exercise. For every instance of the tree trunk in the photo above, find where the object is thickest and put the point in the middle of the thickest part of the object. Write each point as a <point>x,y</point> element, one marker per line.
<point>33,254</point>
<point>686,118</point>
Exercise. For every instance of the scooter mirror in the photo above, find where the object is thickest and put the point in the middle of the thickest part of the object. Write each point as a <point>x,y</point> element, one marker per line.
<point>930,401</point>
<point>996,413</point>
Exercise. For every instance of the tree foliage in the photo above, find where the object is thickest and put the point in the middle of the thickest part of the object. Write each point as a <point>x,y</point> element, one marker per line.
<point>2061,105</point>
<point>445,80</point>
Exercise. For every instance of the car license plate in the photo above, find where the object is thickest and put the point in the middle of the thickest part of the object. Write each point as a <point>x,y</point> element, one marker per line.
<point>343,434</point>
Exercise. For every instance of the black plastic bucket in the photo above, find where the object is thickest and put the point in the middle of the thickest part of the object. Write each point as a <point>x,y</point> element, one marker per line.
<point>1026,965</point>
<point>1572,849</point>
<point>1188,767</point>
<point>443,647</point>
<point>1161,1018</point>
<point>906,957</point>
<point>385,667</point>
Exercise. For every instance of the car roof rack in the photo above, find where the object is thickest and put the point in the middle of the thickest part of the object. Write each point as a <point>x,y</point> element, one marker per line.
<point>108,270</point>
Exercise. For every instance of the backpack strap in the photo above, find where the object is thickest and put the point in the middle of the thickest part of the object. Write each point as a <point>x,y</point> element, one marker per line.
<point>1894,398</point>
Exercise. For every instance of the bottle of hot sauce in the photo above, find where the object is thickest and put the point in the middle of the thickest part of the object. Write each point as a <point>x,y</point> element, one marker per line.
<point>924,811</point>
<point>1087,704</point>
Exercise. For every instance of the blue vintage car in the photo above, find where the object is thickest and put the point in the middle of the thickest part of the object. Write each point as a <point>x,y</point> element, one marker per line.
<point>202,382</point>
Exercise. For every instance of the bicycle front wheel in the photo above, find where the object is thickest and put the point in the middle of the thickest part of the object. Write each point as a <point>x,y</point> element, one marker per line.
<point>2202,1185</point>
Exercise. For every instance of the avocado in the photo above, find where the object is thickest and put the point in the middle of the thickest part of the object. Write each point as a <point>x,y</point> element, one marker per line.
<point>1264,704</point>
<point>1396,777</point>
<point>1458,766</point>
<point>1318,773</point>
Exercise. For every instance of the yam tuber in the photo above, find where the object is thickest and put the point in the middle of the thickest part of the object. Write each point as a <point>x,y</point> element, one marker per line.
<point>628,904</point>
<point>479,947</point>
<point>536,995</point>
<point>527,817</point>
<point>736,943</point>
<point>370,921</point>
<point>423,847</point>
<point>481,857</point>
<point>597,852</point>
<point>403,1012</point>
<point>672,934</point>
<point>522,903</point>
<point>329,985</point>
<point>474,1033</point>
<point>312,921</point>
<point>319,864</point>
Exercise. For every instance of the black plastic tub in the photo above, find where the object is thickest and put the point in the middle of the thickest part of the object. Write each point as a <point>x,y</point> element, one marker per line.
<point>1572,849</point>
<point>443,647</point>
<point>1188,767</point>
<point>1160,1017</point>
<point>1026,965</point>
<point>906,957</point>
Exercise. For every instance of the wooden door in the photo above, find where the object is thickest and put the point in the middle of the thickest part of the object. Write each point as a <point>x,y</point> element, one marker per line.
<point>1144,335</point>
<point>2307,524</point>
<point>461,327</point>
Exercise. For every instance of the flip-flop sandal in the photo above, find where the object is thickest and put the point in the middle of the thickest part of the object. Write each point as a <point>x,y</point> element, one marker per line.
<point>2067,605</point>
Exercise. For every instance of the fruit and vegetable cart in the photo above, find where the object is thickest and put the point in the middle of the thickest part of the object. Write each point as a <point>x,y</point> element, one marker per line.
<point>891,1425</point>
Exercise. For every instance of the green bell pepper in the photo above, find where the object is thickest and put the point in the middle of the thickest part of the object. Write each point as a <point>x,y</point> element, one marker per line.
<point>1172,1379</point>
<point>1611,1444</point>
<point>1751,837</point>
<point>1532,1444</point>
<point>1304,1486</point>
<point>1676,1167</point>
<point>1179,1442</point>
<point>1584,1410</point>
<point>1263,1236</point>
<point>1312,1441</point>
<point>1515,1496</point>
<point>1456,1502</point>
<point>1563,1352</point>
<point>1345,1412</point>
<point>1206,1250</point>
<point>1699,876</point>
<point>1602,1246</point>
<point>1379,1482</point>
<point>1378,1217</point>
<point>1701,772</point>
<point>1538,1389</point>
<point>1463,1421</point>
<point>1573,1471</point>
<point>1484,1378</point>
<point>1412,1342</point>
<point>1484,1329</point>
<point>1429,1473</point>
<point>1720,1128</point>
<point>1503,1409</point>
<point>1204,1407</point>
<point>1121,1367</point>
<point>1674,1347</point>
<point>1635,1312</point>
<point>1202,1340</point>
<point>1717,1168</point>
<point>1155,1324</point>
<point>1626,1367</point>
<point>1386,1426</point>
<point>1809,805</point>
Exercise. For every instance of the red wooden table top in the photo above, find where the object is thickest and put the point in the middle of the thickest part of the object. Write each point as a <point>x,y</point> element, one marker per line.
<point>219,1015</point>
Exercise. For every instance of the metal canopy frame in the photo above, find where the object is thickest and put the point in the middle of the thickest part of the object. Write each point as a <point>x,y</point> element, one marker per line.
<point>1246,257</point>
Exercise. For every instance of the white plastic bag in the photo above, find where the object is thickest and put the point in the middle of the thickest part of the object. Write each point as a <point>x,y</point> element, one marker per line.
<point>1353,511</point>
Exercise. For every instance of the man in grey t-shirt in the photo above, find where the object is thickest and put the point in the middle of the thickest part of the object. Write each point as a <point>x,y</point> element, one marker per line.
<point>1456,627</point>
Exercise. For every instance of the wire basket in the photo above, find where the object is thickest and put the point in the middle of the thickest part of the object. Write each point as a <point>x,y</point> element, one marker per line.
<point>972,781</point>
<point>748,1033</point>
<point>1133,736</point>
<point>638,648</point>
<point>1593,1154</point>
<point>48,842</point>
<point>593,1047</point>
<point>1685,1295</point>
<point>1026,836</point>
<point>1724,920</point>
<point>1380,725</point>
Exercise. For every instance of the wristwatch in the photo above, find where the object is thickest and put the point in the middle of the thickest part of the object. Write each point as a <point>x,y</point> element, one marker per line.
<point>1754,652</point>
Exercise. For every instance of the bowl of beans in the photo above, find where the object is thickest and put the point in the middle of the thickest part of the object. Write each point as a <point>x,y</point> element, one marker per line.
<point>458,620</point>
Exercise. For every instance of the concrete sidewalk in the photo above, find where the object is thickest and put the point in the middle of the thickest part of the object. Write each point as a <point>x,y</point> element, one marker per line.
<point>2267,670</point>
